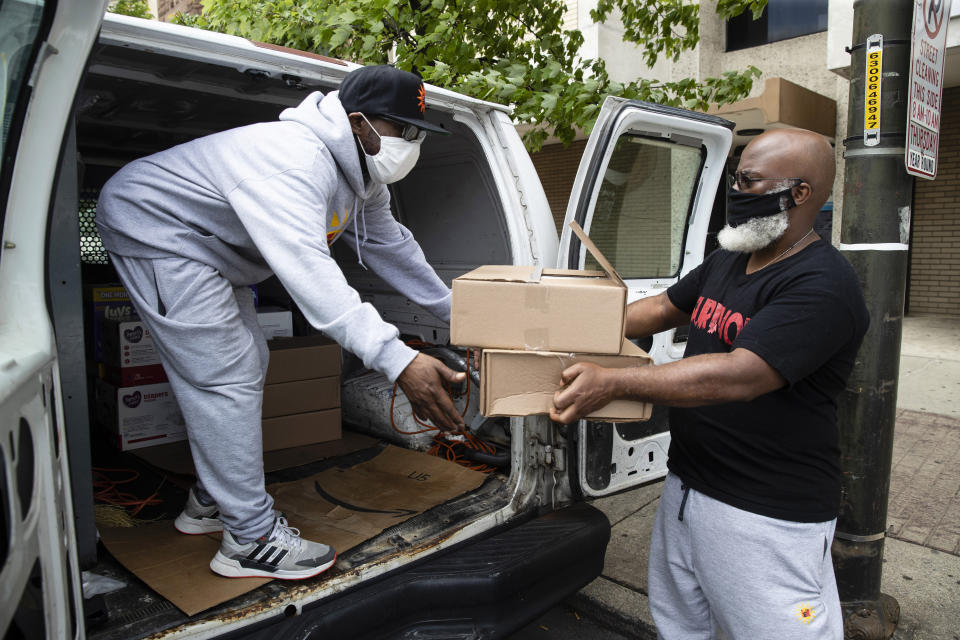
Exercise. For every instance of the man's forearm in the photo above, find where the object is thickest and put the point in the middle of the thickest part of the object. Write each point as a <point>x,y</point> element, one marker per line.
<point>700,380</point>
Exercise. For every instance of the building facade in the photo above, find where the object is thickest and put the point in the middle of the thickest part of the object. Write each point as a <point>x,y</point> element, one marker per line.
<point>800,49</point>
<point>166,9</point>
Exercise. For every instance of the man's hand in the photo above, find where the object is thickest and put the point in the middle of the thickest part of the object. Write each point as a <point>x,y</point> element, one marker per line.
<point>587,388</point>
<point>422,382</point>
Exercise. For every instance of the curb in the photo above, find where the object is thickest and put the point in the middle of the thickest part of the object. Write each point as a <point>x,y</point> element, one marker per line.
<point>616,607</point>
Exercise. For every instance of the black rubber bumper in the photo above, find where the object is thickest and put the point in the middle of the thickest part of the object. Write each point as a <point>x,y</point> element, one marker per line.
<point>483,589</point>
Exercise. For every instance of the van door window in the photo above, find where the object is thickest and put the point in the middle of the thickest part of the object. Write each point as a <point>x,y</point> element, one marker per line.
<point>21,22</point>
<point>642,206</point>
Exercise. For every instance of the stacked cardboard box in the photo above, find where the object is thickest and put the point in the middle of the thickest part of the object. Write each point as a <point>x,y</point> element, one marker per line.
<point>108,302</point>
<point>132,399</point>
<point>140,416</point>
<point>533,323</point>
<point>301,396</point>
<point>275,322</point>
<point>130,357</point>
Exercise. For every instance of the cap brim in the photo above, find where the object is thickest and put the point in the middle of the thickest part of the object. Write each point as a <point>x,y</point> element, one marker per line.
<point>422,124</point>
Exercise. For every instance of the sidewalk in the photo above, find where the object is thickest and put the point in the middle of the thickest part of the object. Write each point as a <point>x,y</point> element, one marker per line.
<point>922,552</point>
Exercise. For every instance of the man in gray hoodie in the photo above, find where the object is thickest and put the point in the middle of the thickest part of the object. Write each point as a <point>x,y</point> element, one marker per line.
<point>190,228</point>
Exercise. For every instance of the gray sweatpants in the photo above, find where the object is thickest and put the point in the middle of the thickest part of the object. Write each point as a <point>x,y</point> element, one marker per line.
<point>213,350</point>
<point>722,569</point>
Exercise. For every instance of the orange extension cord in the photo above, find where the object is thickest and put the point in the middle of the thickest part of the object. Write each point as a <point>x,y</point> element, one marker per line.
<point>106,490</point>
<point>448,444</point>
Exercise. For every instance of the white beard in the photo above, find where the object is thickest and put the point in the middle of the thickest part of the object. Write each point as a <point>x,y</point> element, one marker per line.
<point>754,234</point>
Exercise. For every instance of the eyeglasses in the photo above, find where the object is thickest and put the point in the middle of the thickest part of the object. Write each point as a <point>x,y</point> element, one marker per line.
<point>744,182</point>
<point>409,132</point>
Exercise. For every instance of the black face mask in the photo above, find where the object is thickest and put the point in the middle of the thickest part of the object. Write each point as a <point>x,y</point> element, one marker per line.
<point>741,205</point>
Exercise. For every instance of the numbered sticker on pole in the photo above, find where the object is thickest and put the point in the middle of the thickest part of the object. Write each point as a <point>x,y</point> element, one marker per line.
<point>871,104</point>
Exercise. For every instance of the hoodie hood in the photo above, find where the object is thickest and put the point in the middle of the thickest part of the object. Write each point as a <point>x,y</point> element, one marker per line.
<point>326,118</point>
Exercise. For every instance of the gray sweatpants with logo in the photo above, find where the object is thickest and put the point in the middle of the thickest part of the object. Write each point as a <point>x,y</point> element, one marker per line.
<point>213,350</point>
<point>720,569</point>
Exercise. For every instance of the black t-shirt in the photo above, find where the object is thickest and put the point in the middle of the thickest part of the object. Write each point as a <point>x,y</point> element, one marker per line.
<point>777,455</point>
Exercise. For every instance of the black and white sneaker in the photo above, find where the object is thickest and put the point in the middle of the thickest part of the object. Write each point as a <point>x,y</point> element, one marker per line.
<point>196,518</point>
<point>281,554</point>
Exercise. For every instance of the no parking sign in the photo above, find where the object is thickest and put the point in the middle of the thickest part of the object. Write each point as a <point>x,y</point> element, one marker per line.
<point>930,18</point>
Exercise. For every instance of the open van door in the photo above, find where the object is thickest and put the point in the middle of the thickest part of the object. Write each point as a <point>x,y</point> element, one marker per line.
<point>44,45</point>
<point>644,193</point>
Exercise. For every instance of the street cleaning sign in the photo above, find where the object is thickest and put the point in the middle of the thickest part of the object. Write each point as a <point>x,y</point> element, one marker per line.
<point>930,18</point>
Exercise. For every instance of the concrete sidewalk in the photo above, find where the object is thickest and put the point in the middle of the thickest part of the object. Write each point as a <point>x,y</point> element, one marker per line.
<point>922,552</point>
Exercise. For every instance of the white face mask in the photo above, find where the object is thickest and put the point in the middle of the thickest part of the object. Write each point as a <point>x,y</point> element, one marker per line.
<point>395,159</point>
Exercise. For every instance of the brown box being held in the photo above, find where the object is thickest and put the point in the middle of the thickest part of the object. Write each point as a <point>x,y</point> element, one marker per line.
<point>534,309</point>
<point>522,383</point>
<point>302,358</point>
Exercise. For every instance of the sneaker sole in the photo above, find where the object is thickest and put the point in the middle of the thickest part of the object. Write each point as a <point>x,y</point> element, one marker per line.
<point>194,527</point>
<point>231,569</point>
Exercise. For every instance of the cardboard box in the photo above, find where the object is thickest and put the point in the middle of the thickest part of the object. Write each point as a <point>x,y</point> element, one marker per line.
<point>517,307</point>
<point>275,322</point>
<point>128,343</point>
<point>110,302</point>
<point>301,396</point>
<point>302,358</point>
<point>522,383</point>
<point>132,376</point>
<point>301,429</point>
<point>140,416</point>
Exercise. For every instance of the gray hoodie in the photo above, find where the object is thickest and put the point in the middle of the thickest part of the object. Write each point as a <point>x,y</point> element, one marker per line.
<point>271,198</point>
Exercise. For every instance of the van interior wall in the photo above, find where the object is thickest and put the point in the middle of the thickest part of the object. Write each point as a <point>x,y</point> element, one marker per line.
<point>134,103</point>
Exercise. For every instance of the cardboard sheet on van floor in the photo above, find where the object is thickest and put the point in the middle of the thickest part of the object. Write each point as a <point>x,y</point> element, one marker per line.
<point>340,507</point>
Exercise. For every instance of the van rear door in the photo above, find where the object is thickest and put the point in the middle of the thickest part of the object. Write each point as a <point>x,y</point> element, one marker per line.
<point>644,193</point>
<point>44,46</point>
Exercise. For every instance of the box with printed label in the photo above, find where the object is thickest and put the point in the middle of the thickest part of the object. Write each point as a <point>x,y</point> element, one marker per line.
<point>275,322</point>
<point>132,376</point>
<point>301,429</point>
<point>140,416</point>
<point>301,396</point>
<point>128,343</point>
<point>523,307</point>
<point>523,383</point>
<point>302,358</point>
<point>109,302</point>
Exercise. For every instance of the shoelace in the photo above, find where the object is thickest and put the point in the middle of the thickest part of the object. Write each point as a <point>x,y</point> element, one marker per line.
<point>285,535</point>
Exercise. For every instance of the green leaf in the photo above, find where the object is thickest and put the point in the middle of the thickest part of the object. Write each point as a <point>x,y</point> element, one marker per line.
<point>508,51</point>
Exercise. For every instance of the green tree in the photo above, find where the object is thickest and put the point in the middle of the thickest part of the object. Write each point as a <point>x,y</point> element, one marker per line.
<point>507,51</point>
<point>135,8</point>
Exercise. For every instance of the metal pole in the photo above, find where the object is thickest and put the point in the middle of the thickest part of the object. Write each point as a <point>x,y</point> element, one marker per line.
<point>874,237</point>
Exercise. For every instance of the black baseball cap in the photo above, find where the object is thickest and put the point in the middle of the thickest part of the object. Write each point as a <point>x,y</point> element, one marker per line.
<point>387,92</point>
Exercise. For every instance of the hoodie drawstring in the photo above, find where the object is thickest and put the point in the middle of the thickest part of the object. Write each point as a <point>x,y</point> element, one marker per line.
<point>356,233</point>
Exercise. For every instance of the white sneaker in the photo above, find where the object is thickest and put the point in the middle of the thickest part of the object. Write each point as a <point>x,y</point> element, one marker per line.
<point>196,519</point>
<point>280,554</point>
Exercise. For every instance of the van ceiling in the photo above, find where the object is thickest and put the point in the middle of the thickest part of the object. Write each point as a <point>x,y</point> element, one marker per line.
<point>133,103</point>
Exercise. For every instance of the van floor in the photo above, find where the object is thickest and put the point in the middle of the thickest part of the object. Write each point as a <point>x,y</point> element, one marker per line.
<point>136,610</point>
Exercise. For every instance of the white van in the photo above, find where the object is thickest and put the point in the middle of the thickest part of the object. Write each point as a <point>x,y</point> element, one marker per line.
<point>82,95</point>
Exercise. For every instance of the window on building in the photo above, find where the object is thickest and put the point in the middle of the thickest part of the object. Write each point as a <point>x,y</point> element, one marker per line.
<point>782,19</point>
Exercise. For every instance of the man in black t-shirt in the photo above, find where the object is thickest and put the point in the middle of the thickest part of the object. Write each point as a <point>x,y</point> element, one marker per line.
<point>743,530</point>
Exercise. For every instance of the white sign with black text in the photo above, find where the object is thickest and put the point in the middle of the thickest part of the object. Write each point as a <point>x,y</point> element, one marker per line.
<point>930,19</point>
